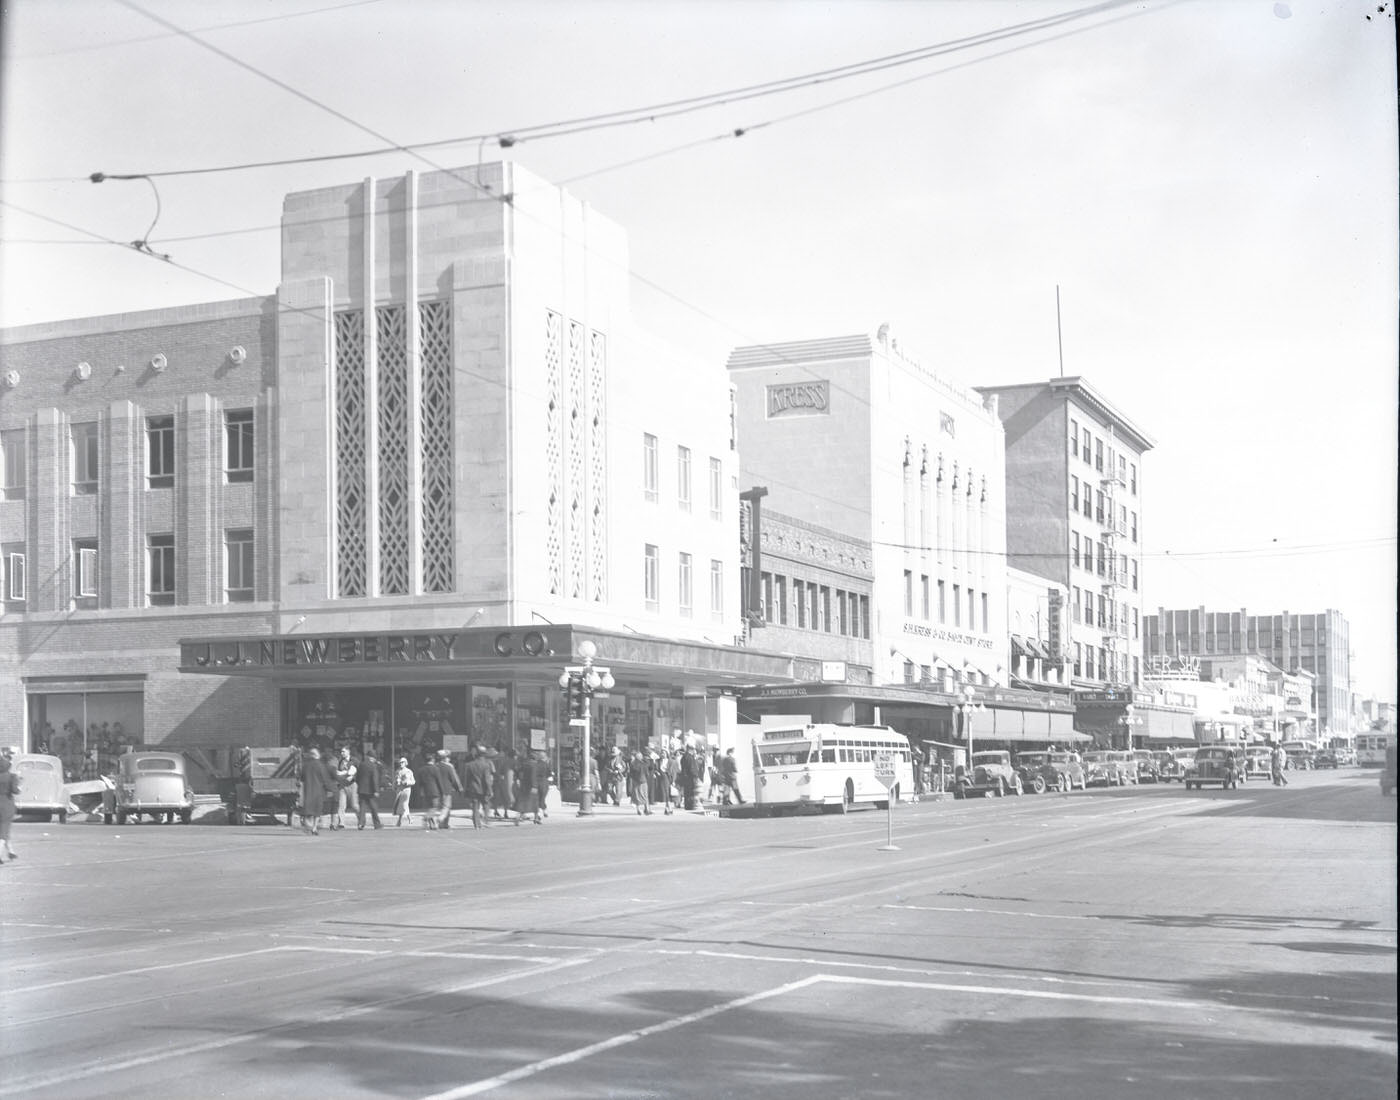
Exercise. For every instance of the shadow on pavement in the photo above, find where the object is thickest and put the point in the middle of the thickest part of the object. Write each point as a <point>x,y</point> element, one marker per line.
<point>436,1042</point>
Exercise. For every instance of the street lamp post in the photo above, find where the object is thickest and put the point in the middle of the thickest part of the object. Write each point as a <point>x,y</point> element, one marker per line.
<point>578,683</point>
<point>1128,720</point>
<point>965,707</point>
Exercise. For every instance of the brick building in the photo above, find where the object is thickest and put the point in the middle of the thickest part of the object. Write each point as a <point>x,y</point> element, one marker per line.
<point>384,505</point>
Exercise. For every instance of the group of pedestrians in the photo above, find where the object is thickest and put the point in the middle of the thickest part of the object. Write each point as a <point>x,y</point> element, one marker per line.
<point>670,778</point>
<point>491,787</point>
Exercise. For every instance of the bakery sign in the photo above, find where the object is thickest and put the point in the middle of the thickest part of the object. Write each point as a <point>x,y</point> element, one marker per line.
<point>799,399</point>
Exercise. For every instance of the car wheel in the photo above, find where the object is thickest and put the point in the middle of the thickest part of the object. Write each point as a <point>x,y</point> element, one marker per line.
<point>1038,784</point>
<point>63,817</point>
<point>1064,784</point>
<point>106,819</point>
<point>1016,787</point>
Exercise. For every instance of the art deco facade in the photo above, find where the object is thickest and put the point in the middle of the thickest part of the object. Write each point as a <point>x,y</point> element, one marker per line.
<point>384,504</point>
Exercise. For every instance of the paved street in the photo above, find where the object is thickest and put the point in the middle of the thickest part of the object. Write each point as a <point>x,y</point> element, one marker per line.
<point>1104,944</point>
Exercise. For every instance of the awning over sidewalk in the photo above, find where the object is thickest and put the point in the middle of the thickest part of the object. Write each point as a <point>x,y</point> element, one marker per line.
<point>1166,725</point>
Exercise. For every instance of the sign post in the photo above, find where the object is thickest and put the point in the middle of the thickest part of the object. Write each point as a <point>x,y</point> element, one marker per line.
<point>885,772</point>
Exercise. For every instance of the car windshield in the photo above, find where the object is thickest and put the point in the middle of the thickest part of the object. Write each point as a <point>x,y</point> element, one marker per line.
<point>1096,757</point>
<point>990,757</point>
<point>1213,754</point>
<point>35,766</point>
<point>155,764</point>
<point>1032,759</point>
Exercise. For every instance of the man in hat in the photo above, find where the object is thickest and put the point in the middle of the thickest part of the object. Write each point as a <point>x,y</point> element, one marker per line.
<point>368,780</point>
<point>479,778</point>
<point>347,796</point>
<point>447,777</point>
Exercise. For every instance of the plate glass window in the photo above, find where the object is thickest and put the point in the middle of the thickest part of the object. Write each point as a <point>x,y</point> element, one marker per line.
<point>160,570</point>
<point>160,452</point>
<point>12,465</point>
<point>238,445</point>
<point>85,453</point>
<point>651,578</point>
<point>650,472</point>
<point>683,478</point>
<point>238,566</point>
<point>685,586</point>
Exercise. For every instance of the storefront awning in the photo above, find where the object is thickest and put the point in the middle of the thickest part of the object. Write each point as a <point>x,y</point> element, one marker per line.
<point>1036,649</point>
<point>1018,646</point>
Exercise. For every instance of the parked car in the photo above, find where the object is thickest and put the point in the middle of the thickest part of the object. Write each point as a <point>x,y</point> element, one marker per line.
<point>1172,763</point>
<point>1042,771</point>
<point>990,776</point>
<point>1300,754</point>
<point>1106,769</point>
<point>1258,760</point>
<point>150,783</point>
<point>1147,771</point>
<point>1325,758</point>
<point>1215,764</point>
<point>41,790</point>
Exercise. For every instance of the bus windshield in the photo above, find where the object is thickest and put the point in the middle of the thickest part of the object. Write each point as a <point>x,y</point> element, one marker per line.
<point>784,756</point>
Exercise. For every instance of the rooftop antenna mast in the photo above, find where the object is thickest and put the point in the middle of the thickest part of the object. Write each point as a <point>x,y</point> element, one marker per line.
<point>1059,334</point>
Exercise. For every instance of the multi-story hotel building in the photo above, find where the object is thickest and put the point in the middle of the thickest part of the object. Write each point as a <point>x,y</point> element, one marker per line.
<point>1074,505</point>
<point>384,505</point>
<point>853,435</point>
<point>1318,643</point>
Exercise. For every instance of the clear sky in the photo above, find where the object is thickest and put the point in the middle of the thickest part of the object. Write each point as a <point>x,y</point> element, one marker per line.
<point>1212,184</point>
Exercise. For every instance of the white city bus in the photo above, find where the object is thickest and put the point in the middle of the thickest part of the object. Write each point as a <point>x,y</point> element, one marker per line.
<point>825,764</point>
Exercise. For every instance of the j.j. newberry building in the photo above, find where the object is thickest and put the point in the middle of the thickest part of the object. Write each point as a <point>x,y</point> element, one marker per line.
<point>386,506</point>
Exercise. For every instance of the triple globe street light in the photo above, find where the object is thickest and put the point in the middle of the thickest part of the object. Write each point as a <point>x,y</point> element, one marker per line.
<point>578,683</point>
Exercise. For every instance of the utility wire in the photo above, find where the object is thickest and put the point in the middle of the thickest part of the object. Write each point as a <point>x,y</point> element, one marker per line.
<point>511,136</point>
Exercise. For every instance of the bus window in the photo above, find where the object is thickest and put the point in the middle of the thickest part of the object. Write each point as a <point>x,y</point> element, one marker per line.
<point>828,756</point>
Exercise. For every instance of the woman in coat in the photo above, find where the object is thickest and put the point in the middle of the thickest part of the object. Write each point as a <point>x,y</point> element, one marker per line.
<point>317,781</point>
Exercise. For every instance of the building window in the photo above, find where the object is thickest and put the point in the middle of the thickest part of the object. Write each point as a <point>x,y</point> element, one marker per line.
<point>12,465</point>
<point>651,472</point>
<point>1089,555</point>
<point>1073,494</point>
<point>1074,437</point>
<point>1102,619</point>
<point>1074,548</point>
<point>957,605</point>
<point>909,593</point>
<point>908,672</point>
<point>1135,624</point>
<point>15,587</point>
<point>1084,452</point>
<point>1135,575</point>
<point>1089,661</point>
<point>160,570</point>
<point>824,608</point>
<point>1132,529</point>
<point>683,478</point>
<point>863,614</point>
<point>716,489</point>
<point>238,445</point>
<point>1088,501</point>
<point>765,584</point>
<point>923,597</point>
<point>986,620</point>
<point>160,452</point>
<point>1078,659</point>
<point>716,589</point>
<point>971,609</point>
<point>1076,611</point>
<point>843,614</point>
<point>651,578</point>
<point>1098,506</point>
<point>1132,478</point>
<point>683,582</point>
<point>238,566</point>
<point>1098,455</point>
<point>85,572</point>
<point>84,459</point>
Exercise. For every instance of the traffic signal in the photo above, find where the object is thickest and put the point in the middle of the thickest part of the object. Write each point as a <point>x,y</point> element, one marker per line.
<point>577,697</point>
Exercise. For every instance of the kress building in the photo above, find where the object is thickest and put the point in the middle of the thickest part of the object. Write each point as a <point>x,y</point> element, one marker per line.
<point>383,506</point>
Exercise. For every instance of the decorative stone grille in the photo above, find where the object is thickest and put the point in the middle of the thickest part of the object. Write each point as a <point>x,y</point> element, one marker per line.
<point>554,451</point>
<point>394,502</point>
<point>577,493</point>
<point>597,462</point>
<point>435,428</point>
<point>351,570</point>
